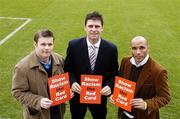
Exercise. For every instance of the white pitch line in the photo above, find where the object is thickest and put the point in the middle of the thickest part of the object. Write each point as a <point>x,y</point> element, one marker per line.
<point>16,30</point>
<point>14,18</point>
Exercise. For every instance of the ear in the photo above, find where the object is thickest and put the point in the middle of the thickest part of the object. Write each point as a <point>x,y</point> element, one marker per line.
<point>102,29</point>
<point>35,44</point>
<point>84,28</point>
<point>148,48</point>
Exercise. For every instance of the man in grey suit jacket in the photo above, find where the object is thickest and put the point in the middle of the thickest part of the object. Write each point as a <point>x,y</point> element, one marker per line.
<point>79,61</point>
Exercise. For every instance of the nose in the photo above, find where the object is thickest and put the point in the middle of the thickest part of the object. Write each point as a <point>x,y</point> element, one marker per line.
<point>138,51</point>
<point>47,47</point>
<point>93,28</point>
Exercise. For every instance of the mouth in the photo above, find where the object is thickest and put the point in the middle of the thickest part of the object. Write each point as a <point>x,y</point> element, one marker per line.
<point>138,57</point>
<point>47,52</point>
<point>93,34</point>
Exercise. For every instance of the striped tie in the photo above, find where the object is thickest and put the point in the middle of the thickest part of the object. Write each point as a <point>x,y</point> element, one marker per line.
<point>92,57</point>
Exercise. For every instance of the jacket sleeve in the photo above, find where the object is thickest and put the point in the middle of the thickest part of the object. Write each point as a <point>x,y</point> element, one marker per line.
<point>68,67</point>
<point>162,93</point>
<point>21,91</point>
<point>114,69</point>
<point>121,69</point>
<point>121,74</point>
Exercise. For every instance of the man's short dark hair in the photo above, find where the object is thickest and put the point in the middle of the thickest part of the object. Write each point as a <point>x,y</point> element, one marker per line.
<point>94,16</point>
<point>43,33</point>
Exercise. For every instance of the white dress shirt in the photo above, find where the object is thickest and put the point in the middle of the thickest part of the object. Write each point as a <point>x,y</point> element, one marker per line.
<point>133,62</point>
<point>96,45</point>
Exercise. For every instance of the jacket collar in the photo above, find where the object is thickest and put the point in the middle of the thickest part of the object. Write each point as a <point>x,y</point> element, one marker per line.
<point>35,62</point>
<point>143,75</point>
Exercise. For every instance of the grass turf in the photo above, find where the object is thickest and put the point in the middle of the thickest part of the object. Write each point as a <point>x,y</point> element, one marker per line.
<point>157,20</point>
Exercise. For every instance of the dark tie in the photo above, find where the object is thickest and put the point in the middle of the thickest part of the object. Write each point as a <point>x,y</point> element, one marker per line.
<point>92,56</point>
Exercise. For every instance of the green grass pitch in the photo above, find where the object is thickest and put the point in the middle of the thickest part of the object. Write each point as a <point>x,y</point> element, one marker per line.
<point>157,20</point>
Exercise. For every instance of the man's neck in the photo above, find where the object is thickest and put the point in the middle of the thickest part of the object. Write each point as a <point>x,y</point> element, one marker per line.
<point>93,41</point>
<point>133,61</point>
<point>44,60</point>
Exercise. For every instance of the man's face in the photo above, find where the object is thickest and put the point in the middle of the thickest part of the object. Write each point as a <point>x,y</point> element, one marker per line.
<point>93,30</point>
<point>139,49</point>
<point>44,47</point>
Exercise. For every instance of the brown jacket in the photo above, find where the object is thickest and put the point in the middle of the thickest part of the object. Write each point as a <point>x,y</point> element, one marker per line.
<point>29,85</point>
<point>152,86</point>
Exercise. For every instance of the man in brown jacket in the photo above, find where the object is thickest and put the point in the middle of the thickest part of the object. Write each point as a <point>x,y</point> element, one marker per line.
<point>29,84</point>
<point>152,90</point>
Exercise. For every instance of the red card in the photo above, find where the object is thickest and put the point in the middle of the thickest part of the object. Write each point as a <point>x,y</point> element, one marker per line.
<point>59,88</point>
<point>123,92</point>
<point>91,86</point>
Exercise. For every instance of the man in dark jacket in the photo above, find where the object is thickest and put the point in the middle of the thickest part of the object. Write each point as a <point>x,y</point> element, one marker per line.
<point>94,56</point>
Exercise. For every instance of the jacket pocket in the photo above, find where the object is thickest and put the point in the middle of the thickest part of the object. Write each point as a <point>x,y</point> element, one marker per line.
<point>32,113</point>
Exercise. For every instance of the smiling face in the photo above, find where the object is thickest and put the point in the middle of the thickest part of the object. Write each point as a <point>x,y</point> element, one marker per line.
<point>44,47</point>
<point>139,48</point>
<point>93,30</point>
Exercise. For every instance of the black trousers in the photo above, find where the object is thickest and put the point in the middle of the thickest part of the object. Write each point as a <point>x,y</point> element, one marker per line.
<point>55,113</point>
<point>78,110</point>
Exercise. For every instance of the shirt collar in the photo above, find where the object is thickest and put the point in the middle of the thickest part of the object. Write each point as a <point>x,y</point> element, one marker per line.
<point>47,65</point>
<point>49,62</point>
<point>133,62</point>
<point>96,44</point>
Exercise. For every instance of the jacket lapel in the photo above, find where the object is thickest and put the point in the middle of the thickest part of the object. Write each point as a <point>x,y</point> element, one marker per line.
<point>143,76</point>
<point>100,54</point>
<point>127,69</point>
<point>55,65</point>
<point>35,62</point>
<point>84,56</point>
